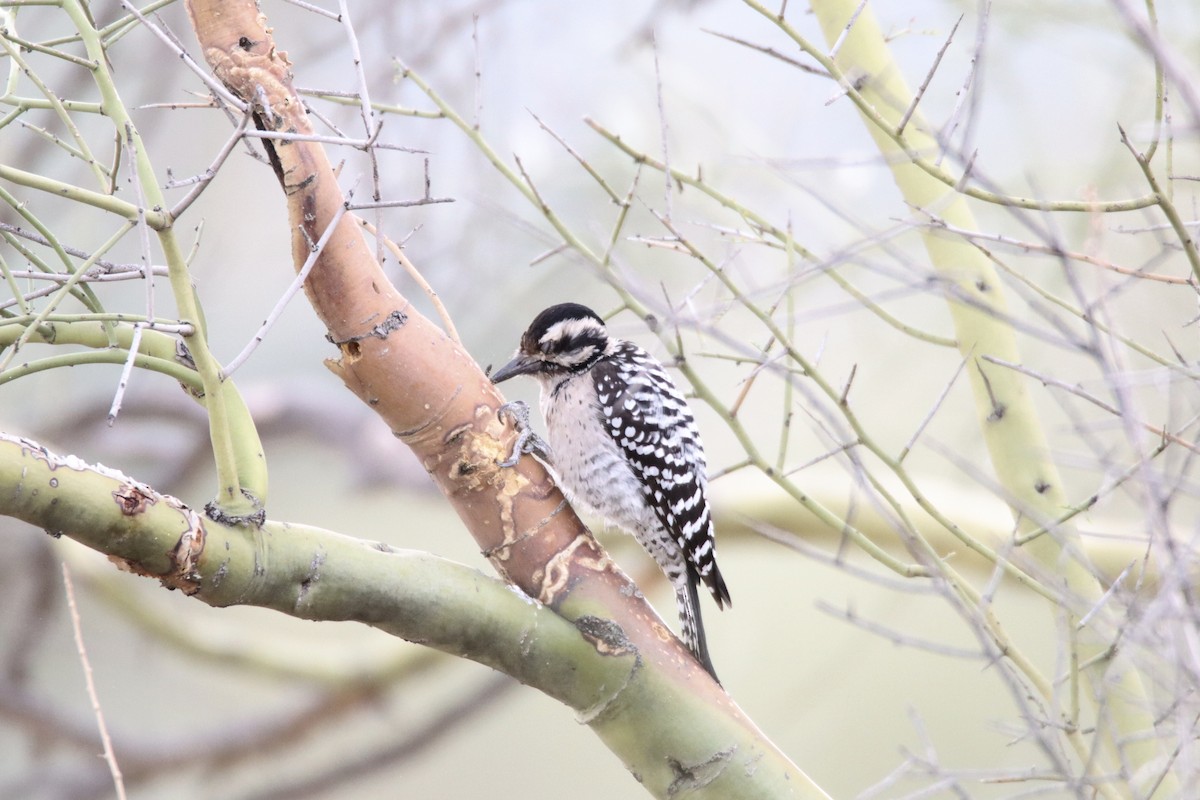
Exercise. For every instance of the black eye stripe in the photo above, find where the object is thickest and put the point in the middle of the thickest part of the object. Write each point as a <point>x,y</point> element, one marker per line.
<point>577,342</point>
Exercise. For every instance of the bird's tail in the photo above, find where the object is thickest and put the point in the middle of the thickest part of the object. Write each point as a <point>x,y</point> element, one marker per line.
<point>691,625</point>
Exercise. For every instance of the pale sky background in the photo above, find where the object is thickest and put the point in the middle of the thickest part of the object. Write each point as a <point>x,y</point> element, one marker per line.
<point>844,703</point>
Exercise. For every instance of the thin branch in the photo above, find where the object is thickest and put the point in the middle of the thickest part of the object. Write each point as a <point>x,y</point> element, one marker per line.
<point>770,51</point>
<point>420,201</point>
<point>109,756</point>
<point>142,228</point>
<point>895,637</point>
<point>967,92</point>
<point>912,107</point>
<point>837,45</point>
<point>315,9</point>
<point>583,162</point>
<point>918,159</point>
<point>1168,207</point>
<point>210,172</point>
<point>215,86</point>
<point>478,76</point>
<point>387,754</point>
<point>126,372</point>
<point>664,131</point>
<point>294,287</point>
<point>1024,245</point>
<point>414,273</point>
<point>912,440</point>
<point>1091,398</point>
<point>1165,56</point>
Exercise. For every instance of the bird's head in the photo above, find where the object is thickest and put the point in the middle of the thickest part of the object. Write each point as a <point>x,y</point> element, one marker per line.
<point>563,339</point>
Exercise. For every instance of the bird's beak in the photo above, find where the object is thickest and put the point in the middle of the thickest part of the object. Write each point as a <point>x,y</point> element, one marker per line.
<point>520,365</point>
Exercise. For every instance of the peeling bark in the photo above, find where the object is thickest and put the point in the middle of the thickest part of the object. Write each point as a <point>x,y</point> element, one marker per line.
<point>429,391</point>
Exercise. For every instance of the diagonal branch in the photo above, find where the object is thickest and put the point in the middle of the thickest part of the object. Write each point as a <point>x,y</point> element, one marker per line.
<point>667,720</point>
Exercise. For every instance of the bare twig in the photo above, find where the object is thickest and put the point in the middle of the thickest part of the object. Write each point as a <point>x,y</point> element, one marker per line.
<point>478,56</point>
<point>912,107</point>
<point>1165,203</point>
<point>418,278</point>
<point>204,178</point>
<point>579,158</point>
<point>770,51</point>
<point>99,266</point>
<point>1096,401</point>
<point>665,133</point>
<point>133,160</point>
<point>315,9</point>
<point>126,372</point>
<point>1053,250</point>
<point>371,128</point>
<point>109,756</point>
<point>967,95</point>
<point>358,144</point>
<point>837,45</point>
<point>215,86</point>
<point>297,282</point>
<point>420,201</point>
<point>912,440</point>
<point>896,637</point>
<point>465,708</point>
<point>1165,55</point>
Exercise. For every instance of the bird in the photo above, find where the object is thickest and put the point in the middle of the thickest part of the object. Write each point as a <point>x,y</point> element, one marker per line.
<point>623,445</point>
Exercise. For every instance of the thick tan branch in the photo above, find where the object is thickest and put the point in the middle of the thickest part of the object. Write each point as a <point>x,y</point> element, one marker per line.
<point>434,397</point>
<point>428,390</point>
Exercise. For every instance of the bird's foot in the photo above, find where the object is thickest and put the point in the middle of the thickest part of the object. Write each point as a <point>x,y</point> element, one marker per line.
<point>527,441</point>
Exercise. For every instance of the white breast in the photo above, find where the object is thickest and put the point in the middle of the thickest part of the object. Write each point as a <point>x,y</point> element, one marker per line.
<point>591,469</point>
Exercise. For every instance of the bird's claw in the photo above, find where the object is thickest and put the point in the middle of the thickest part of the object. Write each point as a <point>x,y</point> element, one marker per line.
<point>527,441</point>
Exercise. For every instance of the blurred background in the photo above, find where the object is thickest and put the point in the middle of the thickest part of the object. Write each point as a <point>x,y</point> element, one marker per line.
<point>867,681</point>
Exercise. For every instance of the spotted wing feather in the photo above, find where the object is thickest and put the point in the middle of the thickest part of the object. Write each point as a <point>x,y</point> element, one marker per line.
<point>656,433</point>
